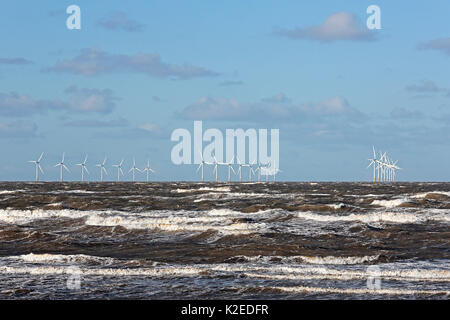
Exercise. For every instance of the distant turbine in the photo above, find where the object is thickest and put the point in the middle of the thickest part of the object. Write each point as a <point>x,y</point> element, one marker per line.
<point>147,169</point>
<point>102,168</point>
<point>133,169</point>
<point>230,168</point>
<point>240,168</point>
<point>216,168</point>
<point>258,168</point>
<point>119,170</point>
<point>374,163</point>
<point>61,165</point>
<point>38,166</point>
<point>83,168</point>
<point>202,165</point>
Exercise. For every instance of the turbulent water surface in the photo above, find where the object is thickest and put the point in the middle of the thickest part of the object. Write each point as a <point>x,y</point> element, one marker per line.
<point>224,241</point>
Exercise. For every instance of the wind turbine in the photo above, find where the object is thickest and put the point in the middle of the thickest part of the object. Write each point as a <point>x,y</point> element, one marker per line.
<point>374,163</point>
<point>83,168</point>
<point>216,168</point>
<point>202,165</point>
<point>61,165</point>
<point>230,168</point>
<point>38,166</point>
<point>119,170</point>
<point>148,169</point>
<point>240,168</point>
<point>134,168</point>
<point>102,168</point>
<point>258,168</point>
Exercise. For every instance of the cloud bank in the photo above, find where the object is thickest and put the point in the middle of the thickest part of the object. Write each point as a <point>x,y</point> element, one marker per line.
<point>93,62</point>
<point>341,26</point>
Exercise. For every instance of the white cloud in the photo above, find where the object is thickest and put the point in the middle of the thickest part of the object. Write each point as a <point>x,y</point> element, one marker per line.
<point>440,44</point>
<point>278,107</point>
<point>120,21</point>
<point>83,100</point>
<point>92,62</point>
<point>17,129</point>
<point>338,26</point>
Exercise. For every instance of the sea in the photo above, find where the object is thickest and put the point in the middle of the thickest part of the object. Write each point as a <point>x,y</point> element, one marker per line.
<point>185,240</point>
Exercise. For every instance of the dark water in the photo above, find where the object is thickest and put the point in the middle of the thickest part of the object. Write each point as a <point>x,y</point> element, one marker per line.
<point>225,241</point>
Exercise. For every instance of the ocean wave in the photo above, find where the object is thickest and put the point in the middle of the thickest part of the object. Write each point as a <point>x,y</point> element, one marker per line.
<point>380,216</point>
<point>326,260</point>
<point>390,203</point>
<point>62,258</point>
<point>349,291</point>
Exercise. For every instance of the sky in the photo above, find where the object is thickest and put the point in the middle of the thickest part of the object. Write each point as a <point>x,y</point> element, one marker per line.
<point>136,71</point>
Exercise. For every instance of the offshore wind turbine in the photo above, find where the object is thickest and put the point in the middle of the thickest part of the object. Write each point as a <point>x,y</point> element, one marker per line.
<point>83,168</point>
<point>374,163</point>
<point>62,165</point>
<point>133,169</point>
<point>102,168</point>
<point>202,165</point>
<point>147,169</point>
<point>216,168</point>
<point>258,168</point>
<point>230,168</point>
<point>38,166</point>
<point>119,170</point>
<point>240,168</point>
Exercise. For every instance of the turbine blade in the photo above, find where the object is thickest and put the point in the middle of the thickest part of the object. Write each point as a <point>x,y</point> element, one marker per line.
<point>201,164</point>
<point>39,166</point>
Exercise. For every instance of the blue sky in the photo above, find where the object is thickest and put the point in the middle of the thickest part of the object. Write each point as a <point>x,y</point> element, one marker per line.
<point>135,72</point>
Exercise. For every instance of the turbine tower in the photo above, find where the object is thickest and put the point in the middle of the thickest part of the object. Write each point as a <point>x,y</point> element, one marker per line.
<point>61,165</point>
<point>230,168</point>
<point>83,168</point>
<point>38,166</point>
<point>102,168</point>
<point>119,170</point>
<point>240,168</point>
<point>133,169</point>
<point>202,165</point>
<point>374,163</point>
<point>147,169</point>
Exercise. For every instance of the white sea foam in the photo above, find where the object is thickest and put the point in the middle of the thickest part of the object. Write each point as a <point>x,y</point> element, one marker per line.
<point>327,260</point>
<point>357,291</point>
<point>379,216</point>
<point>390,203</point>
<point>24,216</point>
<point>7,191</point>
<point>424,194</point>
<point>388,272</point>
<point>61,258</point>
<point>176,224</point>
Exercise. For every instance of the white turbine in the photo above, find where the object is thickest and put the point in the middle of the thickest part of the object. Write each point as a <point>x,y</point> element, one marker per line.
<point>374,163</point>
<point>230,168</point>
<point>119,170</point>
<point>102,168</point>
<point>61,165</point>
<point>240,168</point>
<point>202,165</point>
<point>133,169</point>
<point>38,166</point>
<point>83,168</point>
<point>147,169</point>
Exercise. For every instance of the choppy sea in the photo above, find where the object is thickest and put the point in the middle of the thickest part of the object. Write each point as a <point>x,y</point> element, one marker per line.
<point>224,241</point>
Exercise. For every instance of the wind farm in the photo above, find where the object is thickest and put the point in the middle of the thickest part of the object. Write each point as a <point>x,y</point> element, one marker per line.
<point>383,167</point>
